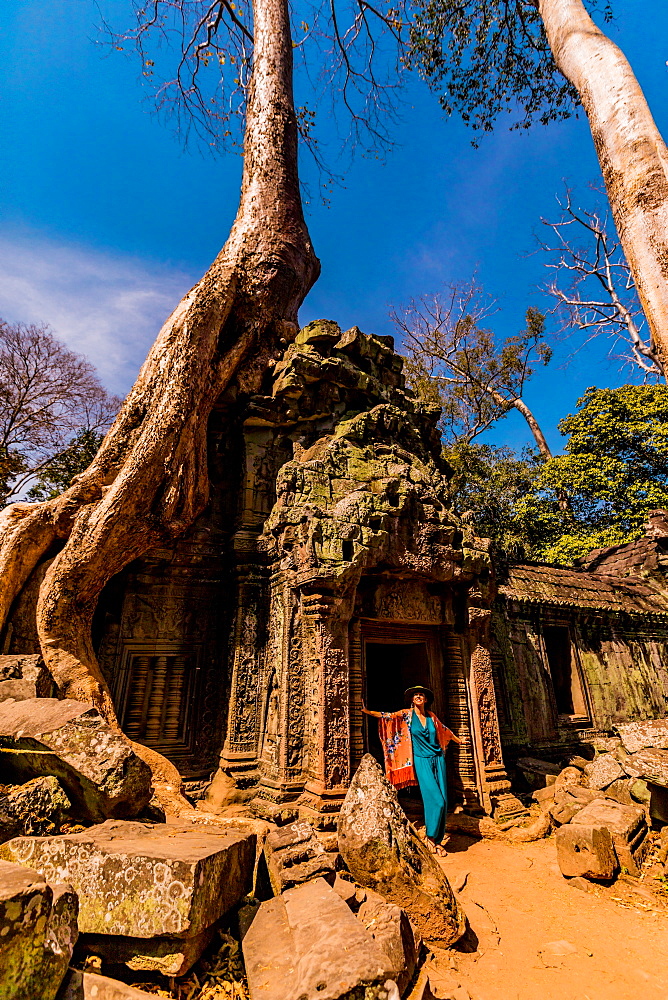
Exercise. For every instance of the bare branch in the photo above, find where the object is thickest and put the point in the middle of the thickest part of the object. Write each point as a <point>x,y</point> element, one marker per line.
<point>351,51</point>
<point>456,361</point>
<point>593,287</point>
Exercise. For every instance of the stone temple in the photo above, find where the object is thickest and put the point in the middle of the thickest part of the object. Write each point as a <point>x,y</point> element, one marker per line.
<point>328,568</point>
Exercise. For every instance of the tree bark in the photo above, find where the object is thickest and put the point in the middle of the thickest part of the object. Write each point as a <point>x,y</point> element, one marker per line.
<point>630,149</point>
<point>149,481</point>
<point>539,438</point>
<point>534,427</point>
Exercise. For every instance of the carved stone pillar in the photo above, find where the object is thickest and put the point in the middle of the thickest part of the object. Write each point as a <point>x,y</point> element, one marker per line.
<point>356,695</point>
<point>240,750</point>
<point>325,630</point>
<point>282,710</point>
<point>494,783</point>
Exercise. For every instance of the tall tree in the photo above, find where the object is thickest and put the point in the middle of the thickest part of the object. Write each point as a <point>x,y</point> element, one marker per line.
<point>49,395</point>
<point>491,55</point>
<point>461,364</point>
<point>614,469</point>
<point>149,481</point>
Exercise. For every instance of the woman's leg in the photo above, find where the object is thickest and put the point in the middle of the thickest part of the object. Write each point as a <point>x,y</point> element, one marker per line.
<point>430,774</point>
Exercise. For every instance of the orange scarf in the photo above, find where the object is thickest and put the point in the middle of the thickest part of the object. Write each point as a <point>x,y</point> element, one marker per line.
<point>395,735</point>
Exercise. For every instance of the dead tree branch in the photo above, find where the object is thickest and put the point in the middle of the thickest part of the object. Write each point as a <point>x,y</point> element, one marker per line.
<point>593,287</point>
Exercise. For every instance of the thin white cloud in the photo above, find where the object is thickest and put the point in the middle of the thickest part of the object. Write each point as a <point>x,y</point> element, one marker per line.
<point>101,304</point>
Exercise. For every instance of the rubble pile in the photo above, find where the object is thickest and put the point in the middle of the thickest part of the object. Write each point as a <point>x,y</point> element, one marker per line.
<point>603,808</point>
<point>95,894</point>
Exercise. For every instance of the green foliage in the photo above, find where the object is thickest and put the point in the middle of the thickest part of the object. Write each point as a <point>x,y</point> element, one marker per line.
<point>489,484</point>
<point>12,465</point>
<point>614,471</point>
<point>59,473</point>
<point>485,57</point>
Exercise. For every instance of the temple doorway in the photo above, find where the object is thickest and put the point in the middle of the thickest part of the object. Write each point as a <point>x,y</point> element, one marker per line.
<point>390,668</point>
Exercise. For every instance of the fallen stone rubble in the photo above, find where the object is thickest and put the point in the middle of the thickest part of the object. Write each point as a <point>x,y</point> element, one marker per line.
<point>152,898</point>
<point>96,766</point>
<point>602,808</point>
<point>149,894</point>
<point>38,931</point>
<point>24,677</point>
<point>94,890</point>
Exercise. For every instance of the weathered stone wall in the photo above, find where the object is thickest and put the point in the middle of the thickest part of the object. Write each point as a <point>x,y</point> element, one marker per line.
<point>623,669</point>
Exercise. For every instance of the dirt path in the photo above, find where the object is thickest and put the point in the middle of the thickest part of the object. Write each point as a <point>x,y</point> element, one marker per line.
<point>541,938</point>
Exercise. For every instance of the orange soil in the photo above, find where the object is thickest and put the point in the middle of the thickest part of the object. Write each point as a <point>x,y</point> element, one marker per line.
<point>541,938</point>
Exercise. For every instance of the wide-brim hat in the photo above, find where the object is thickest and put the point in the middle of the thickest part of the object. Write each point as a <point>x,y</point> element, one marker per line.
<point>419,689</point>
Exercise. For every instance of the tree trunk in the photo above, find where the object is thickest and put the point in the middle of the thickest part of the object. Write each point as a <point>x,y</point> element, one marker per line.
<point>631,152</point>
<point>149,481</point>
<point>538,436</point>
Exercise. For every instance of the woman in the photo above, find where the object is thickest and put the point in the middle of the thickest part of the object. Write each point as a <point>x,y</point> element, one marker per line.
<point>414,744</point>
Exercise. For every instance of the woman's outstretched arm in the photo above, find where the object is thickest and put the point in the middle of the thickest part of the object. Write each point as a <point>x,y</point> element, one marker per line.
<point>367,711</point>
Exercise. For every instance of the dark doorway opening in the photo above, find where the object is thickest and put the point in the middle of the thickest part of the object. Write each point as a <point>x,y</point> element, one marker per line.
<point>390,668</point>
<point>565,680</point>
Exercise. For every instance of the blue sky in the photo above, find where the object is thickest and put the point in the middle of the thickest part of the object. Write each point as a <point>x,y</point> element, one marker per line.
<point>106,221</point>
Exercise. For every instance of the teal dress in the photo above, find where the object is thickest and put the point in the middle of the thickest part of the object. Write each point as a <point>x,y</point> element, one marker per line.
<point>429,764</point>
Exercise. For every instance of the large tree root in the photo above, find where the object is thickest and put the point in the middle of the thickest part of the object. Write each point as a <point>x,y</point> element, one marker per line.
<point>486,828</point>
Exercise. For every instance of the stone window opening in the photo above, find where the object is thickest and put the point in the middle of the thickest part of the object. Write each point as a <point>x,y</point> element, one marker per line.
<point>563,667</point>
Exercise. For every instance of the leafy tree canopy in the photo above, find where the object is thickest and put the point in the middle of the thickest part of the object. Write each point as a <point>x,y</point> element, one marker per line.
<point>488,484</point>
<point>614,471</point>
<point>61,470</point>
<point>485,57</point>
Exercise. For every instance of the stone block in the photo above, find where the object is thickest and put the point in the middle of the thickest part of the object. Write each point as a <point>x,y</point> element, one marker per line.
<point>62,933</point>
<point>586,850</point>
<point>603,771</point>
<point>96,766</point>
<point>24,676</point>
<point>307,944</point>
<point>663,846</point>
<point>649,764</point>
<point>544,797</point>
<point>640,791</point>
<point>347,890</point>
<point>38,931</point>
<point>320,331</point>
<point>384,853</point>
<point>147,881</point>
<point>620,791</point>
<point>170,956</point>
<point>90,986</point>
<point>644,735</point>
<point>295,855</point>
<point>627,826</point>
<point>391,929</point>
<point>568,777</point>
<point>39,806</point>
<point>568,802</point>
